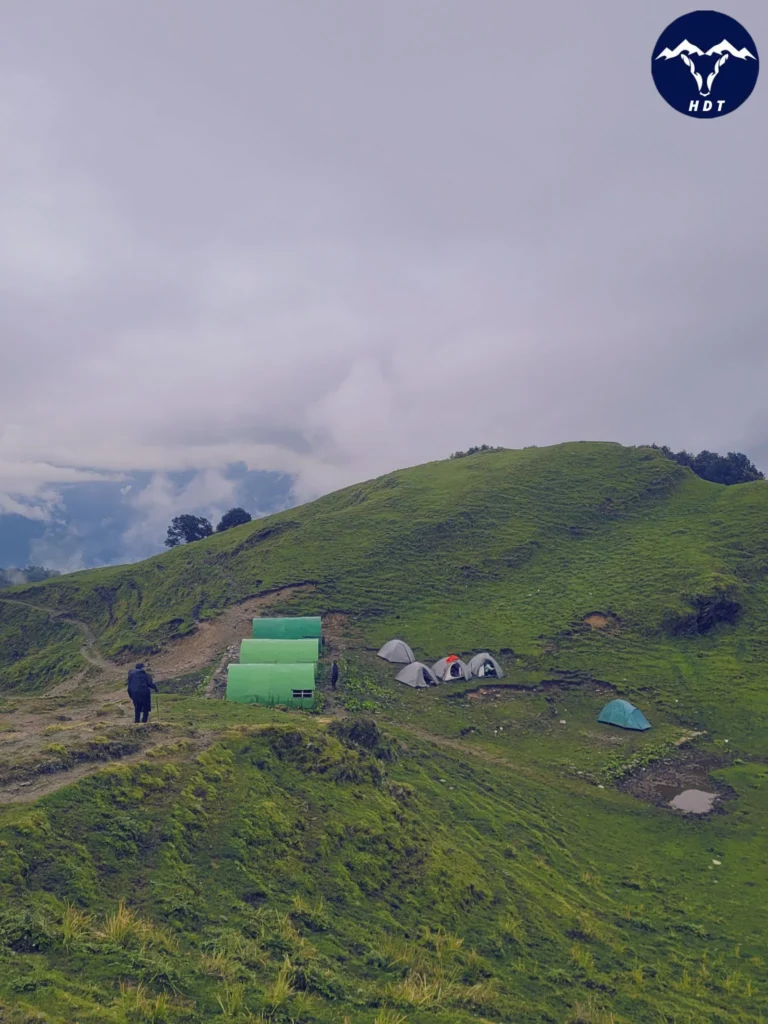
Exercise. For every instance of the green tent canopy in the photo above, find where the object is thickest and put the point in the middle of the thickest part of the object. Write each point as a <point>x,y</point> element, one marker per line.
<point>285,652</point>
<point>298,628</point>
<point>272,684</point>
<point>625,715</point>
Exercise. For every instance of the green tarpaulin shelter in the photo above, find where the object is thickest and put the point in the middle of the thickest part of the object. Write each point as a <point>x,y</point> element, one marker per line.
<point>298,628</point>
<point>623,714</point>
<point>272,684</point>
<point>261,652</point>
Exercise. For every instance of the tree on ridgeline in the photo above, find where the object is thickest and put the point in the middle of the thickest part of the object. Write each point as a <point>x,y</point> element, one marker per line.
<point>187,529</point>
<point>475,451</point>
<point>733,468</point>
<point>235,517</point>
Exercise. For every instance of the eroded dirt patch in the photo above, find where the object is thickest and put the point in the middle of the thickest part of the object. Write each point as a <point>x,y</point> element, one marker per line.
<point>339,633</point>
<point>197,651</point>
<point>659,783</point>
<point>601,620</point>
<point>338,636</point>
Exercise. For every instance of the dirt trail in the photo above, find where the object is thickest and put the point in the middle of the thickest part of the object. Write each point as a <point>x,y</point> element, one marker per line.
<point>179,657</point>
<point>26,791</point>
<point>89,650</point>
<point>29,790</point>
<point>95,698</point>
<point>211,638</point>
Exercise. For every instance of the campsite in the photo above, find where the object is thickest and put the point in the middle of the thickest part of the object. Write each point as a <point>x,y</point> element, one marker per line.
<point>512,856</point>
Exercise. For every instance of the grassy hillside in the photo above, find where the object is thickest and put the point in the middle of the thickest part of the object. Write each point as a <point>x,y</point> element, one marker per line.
<point>293,875</point>
<point>508,551</point>
<point>485,857</point>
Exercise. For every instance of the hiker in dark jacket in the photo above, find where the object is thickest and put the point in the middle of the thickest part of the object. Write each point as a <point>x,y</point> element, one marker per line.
<point>334,675</point>
<point>139,685</point>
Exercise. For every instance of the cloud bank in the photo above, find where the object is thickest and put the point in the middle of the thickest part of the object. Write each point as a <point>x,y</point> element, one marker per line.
<point>327,254</point>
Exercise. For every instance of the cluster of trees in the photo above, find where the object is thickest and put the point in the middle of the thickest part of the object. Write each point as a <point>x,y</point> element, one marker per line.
<point>733,468</point>
<point>475,450</point>
<point>186,528</point>
<point>31,574</point>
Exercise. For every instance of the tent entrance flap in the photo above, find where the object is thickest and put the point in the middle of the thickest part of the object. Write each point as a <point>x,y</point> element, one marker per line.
<point>417,675</point>
<point>450,669</point>
<point>485,666</point>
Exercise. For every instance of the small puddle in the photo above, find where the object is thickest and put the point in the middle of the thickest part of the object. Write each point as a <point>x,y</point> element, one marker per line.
<point>693,801</point>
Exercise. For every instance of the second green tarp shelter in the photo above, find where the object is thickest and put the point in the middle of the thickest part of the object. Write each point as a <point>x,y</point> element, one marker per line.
<point>265,652</point>
<point>625,715</point>
<point>293,685</point>
<point>299,628</point>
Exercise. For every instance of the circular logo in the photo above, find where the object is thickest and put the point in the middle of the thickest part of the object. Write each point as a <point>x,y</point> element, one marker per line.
<point>705,64</point>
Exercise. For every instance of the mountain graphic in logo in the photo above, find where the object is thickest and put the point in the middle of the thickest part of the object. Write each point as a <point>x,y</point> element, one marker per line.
<point>693,78</point>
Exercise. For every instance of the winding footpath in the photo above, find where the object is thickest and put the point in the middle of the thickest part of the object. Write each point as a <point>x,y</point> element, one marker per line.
<point>89,650</point>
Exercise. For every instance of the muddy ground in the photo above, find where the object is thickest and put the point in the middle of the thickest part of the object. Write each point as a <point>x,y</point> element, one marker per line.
<point>689,770</point>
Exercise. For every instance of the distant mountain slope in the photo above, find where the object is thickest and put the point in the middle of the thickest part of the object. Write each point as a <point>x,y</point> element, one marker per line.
<point>506,550</point>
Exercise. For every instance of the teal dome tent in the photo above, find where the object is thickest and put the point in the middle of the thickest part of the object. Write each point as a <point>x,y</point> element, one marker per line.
<point>625,715</point>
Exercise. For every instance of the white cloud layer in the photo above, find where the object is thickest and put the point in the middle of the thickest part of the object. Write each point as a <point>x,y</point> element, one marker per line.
<point>333,253</point>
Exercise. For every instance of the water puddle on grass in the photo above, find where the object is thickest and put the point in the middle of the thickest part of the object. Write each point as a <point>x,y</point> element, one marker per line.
<point>693,801</point>
<point>682,783</point>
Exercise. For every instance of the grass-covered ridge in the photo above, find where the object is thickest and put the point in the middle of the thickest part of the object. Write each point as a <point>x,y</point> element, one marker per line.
<point>289,873</point>
<point>505,550</point>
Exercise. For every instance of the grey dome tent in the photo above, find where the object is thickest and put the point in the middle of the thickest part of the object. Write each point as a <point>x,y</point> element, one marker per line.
<point>450,671</point>
<point>397,651</point>
<point>417,675</point>
<point>479,666</point>
<point>625,715</point>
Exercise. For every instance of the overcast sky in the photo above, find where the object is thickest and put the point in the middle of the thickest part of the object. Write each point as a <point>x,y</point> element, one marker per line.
<point>335,237</point>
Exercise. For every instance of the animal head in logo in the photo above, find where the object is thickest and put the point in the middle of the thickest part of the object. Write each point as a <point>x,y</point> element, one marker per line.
<point>687,51</point>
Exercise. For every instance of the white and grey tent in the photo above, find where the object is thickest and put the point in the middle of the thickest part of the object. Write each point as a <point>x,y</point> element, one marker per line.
<point>450,671</point>
<point>397,651</point>
<point>484,666</point>
<point>416,674</point>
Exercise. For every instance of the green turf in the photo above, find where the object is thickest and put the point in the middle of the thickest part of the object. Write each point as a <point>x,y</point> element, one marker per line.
<point>499,873</point>
<point>433,887</point>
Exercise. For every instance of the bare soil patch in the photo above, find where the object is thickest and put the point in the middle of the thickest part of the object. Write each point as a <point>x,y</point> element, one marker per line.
<point>601,620</point>
<point>339,634</point>
<point>690,770</point>
<point>197,651</point>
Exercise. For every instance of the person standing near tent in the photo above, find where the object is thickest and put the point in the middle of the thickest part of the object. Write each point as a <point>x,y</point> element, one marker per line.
<point>334,675</point>
<point>140,684</point>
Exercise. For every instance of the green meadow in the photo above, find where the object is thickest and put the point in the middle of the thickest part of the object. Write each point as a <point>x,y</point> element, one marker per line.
<point>475,852</point>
